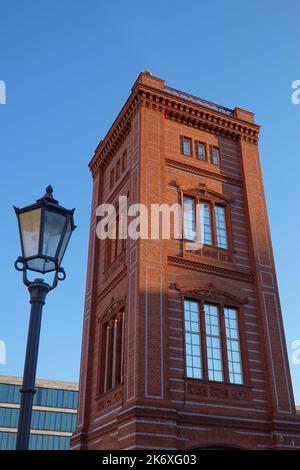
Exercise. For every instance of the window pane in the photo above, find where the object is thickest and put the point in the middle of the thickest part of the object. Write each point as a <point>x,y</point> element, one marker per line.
<point>52,420</point>
<point>58,421</point>
<point>213,343</point>
<point>53,228</point>
<point>75,400</point>
<point>233,346</point>
<point>4,441</point>
<point>38,397</point>
<point>10,393</point>
<point>221,227</point>
<point>2,393</point>
<point>55,398</point>
<point>192,339</point>
<point>64,422</point>
<point>205,223</point>
<point>189,219</point>
<point>47,420</point>
<point>60,398</point>
<point>17,395</point>
<point>41,419</point>
<point>201,151</point>
<point>56,442</point>
<point>186,145</point>
<point>50,397</point>
<point>11,441</point>
<point>66,399</point>
<point>44,399</point>
<point>215,156</point>
<point>34,420</point>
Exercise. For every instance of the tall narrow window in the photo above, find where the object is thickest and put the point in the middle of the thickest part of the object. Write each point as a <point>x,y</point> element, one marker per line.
<point>113,247</point>
<point>213,343</point>
<point>215,156</point>
<point>111,358</point>
<point>233,346</point>
<point>107,252</point>
<point>201,154</point>
<point>189,219</point>
<point>192,339</point>
<point>221,227</point>
<point>186,146</point>
<point>205,223</point>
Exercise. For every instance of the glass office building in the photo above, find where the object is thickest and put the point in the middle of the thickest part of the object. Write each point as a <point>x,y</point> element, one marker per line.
<point>53,417</point>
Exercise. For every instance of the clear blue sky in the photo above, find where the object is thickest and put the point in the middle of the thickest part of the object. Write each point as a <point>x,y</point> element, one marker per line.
<point>69,66</point>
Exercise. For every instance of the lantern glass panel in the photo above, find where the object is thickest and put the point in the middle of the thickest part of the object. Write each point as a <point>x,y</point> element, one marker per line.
<point>30,223</point>
<point>65,242</point>
<point>53,228</point>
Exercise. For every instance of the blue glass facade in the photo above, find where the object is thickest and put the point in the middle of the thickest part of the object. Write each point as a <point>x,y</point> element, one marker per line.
<point>47,421</point>
<point>37,442</point>
<point>49,397</point>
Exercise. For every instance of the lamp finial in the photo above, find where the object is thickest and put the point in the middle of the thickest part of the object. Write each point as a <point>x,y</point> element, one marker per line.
<point>48,196</point>
<point>49,190</point>
<point>49,193</point>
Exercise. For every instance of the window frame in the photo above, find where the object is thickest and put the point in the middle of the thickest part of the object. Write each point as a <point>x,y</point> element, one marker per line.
<point>223,339</point>
<point>113,248</point>
<point>197,143</point>
<point>114,314</point>
<point>198,199</point>
<point>226,225</point>
<point>188,139</point>
<point>215,147</point>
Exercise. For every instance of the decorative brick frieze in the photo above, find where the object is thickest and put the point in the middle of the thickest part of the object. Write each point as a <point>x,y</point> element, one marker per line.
<point>197,266</point>
<point>110,399</point>
<point>203,172</point>
<point>195,390</point>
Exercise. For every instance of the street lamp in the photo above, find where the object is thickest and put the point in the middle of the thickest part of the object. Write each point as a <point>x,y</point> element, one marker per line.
<point>45,230</point>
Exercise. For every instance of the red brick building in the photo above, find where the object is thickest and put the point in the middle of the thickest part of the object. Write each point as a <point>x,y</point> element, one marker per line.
<point>184,349</point>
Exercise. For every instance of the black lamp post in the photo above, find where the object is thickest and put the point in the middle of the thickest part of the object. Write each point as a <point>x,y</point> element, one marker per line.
<point>45,230</point>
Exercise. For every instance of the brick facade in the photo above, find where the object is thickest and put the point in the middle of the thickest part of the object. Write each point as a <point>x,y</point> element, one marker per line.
<point>156,406</point>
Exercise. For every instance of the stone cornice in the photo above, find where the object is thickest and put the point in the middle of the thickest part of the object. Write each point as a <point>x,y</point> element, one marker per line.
<point>198,115</point>
<point>116,134</point>
<point>180,107</point>
<point>203,172</point>
<point>219,271</point>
